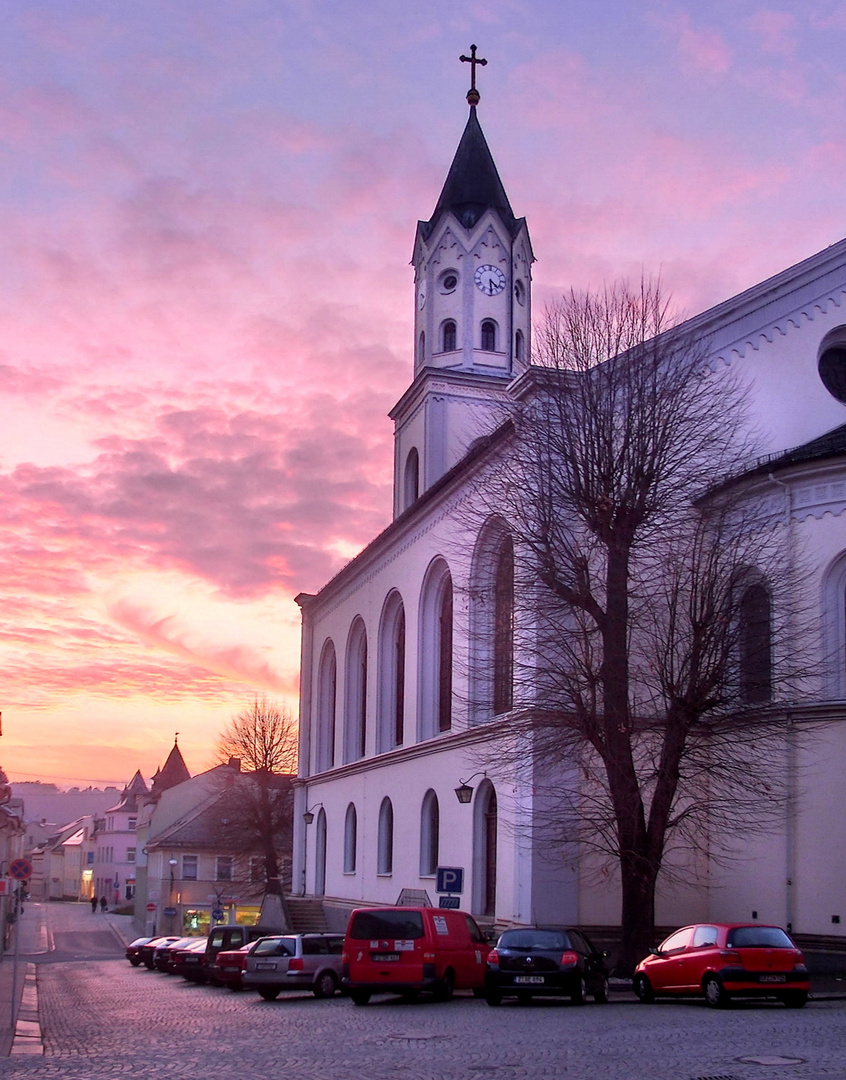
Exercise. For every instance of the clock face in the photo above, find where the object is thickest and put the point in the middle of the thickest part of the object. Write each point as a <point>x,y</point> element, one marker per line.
<point>489,279</point>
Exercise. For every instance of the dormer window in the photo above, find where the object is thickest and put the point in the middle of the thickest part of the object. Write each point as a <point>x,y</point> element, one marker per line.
<point>448,336</point>
<point>489,336</point>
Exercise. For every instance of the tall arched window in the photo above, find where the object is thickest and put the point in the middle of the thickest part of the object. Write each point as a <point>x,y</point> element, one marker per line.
<point>320,854</point>
<point>485,829</point>
<point>421,348</point>
<point>392,674</point>
<point>355,695</point>
<point>350,839</point>
<point>503,629</point>
<point>429,834</point>
<point>448,336</point>
<point>385,852</point>
<point>326,700</point>
<point>411,479</point>
<point>519,345</point>
<point>755,645</point>
<point>435,652</point>
<point>488,335</point>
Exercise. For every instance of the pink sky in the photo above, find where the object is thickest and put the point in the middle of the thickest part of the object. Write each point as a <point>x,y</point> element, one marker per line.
<point>206,219</point>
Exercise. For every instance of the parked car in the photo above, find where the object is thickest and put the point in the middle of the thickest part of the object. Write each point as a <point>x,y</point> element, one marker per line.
<point>229,937</point>
<point>146,952</point>
<point>295,962</point>
<point>229,966</point>
<point>724,960</point>
<point>548,962</point>
<point>404,950</point>
<point>188,962</point>
<point>163,954</point>
<point>133,950</point>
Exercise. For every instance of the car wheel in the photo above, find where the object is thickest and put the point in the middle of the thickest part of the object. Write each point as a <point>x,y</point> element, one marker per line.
<point>236,988</point>
<point>795,999</point>
<point>643,990</point>
<point>360,997</point>
<point>135,961</point>
<point>479,992</point>
<point>325,985</point>
<point>447,988</point>
<point>600,995</point>
<point>493,999</point>
<point>715,994</point>
<point>579,994</point>
<point>269,993</point>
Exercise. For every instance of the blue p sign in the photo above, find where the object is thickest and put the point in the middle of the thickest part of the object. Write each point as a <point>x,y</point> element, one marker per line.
<point>450,879</point>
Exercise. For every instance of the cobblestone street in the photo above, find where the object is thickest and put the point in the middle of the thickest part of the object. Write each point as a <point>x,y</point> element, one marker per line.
<point>101,1018</point>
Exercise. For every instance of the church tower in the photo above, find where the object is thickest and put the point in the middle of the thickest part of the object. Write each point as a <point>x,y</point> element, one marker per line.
<point>472,288</point>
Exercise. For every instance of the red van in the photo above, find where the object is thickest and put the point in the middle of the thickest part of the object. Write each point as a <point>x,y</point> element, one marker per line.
<point>403,950</point>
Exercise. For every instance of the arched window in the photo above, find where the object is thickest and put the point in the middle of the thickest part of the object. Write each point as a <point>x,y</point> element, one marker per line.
<point>834,628</point>
<point>485,828</point>
<point>350,839</point>
<point>320,854</point>
<point>448,336</point>
<point>503,629</point>
<point>429,834</point>
<point>411,479</point>
<point>355,696</point>
<point>421,348</point>
<point>519,345</point>
<point>385,852</point>
<point>488,335</point>
<point>755,644</point>
<point>492,624</point>
<point>326,695</point>
<point>435,655</point>
<point>392,674</point>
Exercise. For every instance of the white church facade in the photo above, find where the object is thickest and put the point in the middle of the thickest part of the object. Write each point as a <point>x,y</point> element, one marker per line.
<point>405,692</point>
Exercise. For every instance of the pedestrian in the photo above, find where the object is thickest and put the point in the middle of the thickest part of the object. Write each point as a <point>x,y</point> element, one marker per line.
<point>93,905</point>
<point>104,904</point>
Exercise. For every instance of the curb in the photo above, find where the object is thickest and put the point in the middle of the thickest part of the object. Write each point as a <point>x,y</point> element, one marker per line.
<point>27,1040</point>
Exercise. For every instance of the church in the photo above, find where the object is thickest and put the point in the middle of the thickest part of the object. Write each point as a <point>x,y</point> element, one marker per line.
<point>404,700</point>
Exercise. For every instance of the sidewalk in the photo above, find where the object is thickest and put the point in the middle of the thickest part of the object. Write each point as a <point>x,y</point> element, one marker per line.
<point>32,927</point>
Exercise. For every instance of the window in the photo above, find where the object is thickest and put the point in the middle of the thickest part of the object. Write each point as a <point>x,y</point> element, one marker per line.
<point>411,479</point>
<point>350,839</point>
<point>445,657</point>
<point>421,348</point>
<point>326,695</point>
<point>130,854</point>
<point>132,823</point>
<point>89,858</point>
<point>503,629</point>
<point>448,336</point>
<point>519,346</point>
<point>704,935</point>
<point>435,655</point>
<point>385,852</point>
<point>356,692</point>
<point>223,868</point>
<point>429,834</point>
<point>489,336</point>
<point>755,645</point>
<point>189,867</point>
<point>391,674</point>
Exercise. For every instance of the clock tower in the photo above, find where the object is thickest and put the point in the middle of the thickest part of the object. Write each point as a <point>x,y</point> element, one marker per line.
<point>472,285</point>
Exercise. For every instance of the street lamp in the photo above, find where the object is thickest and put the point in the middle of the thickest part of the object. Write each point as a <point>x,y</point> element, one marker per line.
<point>308,816</point>
<point>464,792</point>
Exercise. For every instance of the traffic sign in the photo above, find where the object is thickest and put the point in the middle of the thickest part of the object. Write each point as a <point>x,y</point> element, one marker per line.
<point>450,879</point>
<point>21,869</point>
<point>217,914</point>
<point>151,907</point>
<point>449,901</point>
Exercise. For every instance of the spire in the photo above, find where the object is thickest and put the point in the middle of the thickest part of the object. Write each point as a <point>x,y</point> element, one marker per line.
<point>473,184</point>
<point>173,772</point>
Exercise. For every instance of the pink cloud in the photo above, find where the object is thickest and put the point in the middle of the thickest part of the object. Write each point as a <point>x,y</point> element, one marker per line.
<point>704,48</point>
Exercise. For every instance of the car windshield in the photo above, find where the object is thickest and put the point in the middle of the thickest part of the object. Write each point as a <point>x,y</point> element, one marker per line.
<point>386,924</point>
<point>759,937</point>
<point>534,940</point>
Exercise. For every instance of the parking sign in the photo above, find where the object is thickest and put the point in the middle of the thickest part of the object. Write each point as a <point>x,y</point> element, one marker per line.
<point>450,879</point>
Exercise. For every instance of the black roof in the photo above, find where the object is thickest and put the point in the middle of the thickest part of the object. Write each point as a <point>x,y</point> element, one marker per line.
<point>830,445</point>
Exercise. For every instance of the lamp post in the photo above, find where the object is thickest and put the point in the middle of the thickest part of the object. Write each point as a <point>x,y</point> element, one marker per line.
<point>464,792</point>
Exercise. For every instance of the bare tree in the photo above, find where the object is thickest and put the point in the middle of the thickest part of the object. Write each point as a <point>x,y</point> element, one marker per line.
<point>262,739</point>
<point>642,669</point>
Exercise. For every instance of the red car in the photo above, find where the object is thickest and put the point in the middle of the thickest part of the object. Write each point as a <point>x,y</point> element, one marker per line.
<point>724,960</point>
<point>228,967</point>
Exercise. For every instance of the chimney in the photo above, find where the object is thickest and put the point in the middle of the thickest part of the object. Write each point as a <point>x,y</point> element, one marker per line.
<point>235,763</point>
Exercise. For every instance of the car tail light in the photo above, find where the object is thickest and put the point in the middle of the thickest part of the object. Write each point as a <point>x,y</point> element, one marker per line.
<point>568,959</point>
<point>731,955</point>
<point>296,964</point>
<point>430,956</point>
<point>800,959</point>
<point>345,957</point>
<point>493,957</point>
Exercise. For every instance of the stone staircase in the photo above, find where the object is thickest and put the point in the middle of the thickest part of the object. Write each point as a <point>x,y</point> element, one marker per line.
<point>307,915</point>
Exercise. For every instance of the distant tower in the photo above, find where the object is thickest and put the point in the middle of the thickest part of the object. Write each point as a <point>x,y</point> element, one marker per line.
<point>473,288</point>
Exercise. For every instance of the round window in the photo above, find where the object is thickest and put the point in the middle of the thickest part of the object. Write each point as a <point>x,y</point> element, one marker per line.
<point>832,368</point>
<point>448,281</point>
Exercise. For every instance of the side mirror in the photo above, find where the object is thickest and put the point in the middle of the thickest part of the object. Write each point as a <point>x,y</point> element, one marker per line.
<point>654,951</point>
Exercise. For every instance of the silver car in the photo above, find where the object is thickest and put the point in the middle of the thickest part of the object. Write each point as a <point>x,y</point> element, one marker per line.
<point>295,962</point>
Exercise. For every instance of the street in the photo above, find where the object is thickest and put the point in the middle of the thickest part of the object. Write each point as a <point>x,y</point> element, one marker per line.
<point>102,1018</point>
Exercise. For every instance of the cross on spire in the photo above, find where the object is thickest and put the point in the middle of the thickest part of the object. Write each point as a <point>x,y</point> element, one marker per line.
<point>472,60</point>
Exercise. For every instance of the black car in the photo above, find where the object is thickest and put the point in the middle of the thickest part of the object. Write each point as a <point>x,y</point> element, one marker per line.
<point>147,952</point>
<point>546,961</point>
<point>164,954</point>
<point>133,950</point>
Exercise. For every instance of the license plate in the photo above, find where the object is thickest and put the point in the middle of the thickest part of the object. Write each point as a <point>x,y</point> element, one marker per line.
<point>529,980</point>
<point>266,966</point>
<point>773,978</point>
<point>384,957</point>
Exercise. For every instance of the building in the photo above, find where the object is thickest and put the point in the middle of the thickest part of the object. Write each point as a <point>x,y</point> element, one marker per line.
<point>402,717</point>
<point>117,850</point>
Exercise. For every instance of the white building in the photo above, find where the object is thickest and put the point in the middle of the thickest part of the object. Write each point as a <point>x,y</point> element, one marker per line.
<point>396,707</point>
